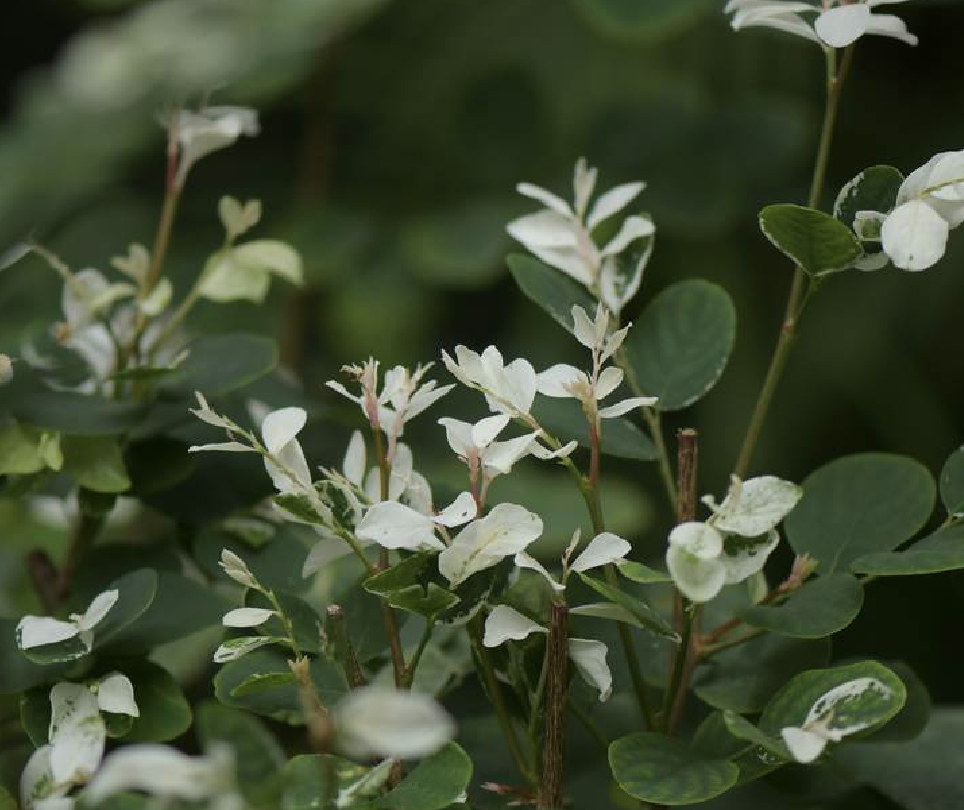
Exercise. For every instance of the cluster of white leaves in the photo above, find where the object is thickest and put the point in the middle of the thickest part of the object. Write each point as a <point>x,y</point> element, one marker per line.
<point>561,235</point>
<point>41,631</point>
<point>394,525</point>
<point>404,396</point>
<point>505,623</point>
<point>930,203</point>
<point>829,23</point>
<point>373,721</point>
<point>168,775</point>
<point>604,549</point>
<point>76,738</point>
<point>827,719</point>
<point>562,380</point>
<point>734,543</point>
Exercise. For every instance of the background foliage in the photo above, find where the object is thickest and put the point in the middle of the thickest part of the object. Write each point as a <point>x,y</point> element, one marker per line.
<point>393,136</point>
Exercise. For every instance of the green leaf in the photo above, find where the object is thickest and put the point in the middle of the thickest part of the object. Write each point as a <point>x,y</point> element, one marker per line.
<point>812,239</point>
<point>926,774</point>
<point>95,463</point>
<point>664,770</point>
<point>644,614</point>
<point>220,364</point>
<point>17,672</point>
<point>137,591</point>
<point>874,189</point>
<point>714,740</point>
<point>859,504</point>
<point>680,345</point>
<point>258,682</point>
<point>436,783</point>
<point>564,419</point>
<point>281,700</point>
<point>743,729</point>
<point>258,757</point>
<point>164,711</point>
<point>305,779</point>
<point>629,20</point>
<point>791,705</point>
<point>936,553</point>
<point>182,606</point>
<point>25,450</point>
<point>550,289</point>
<point>909,723</point>
<point>244,272</point>
<point>745,677</point>
<point>952,483</point>
<point>80,414</point>
<point>822,607</point>
<point>402,586</point>
<point>35,713</point>
<point>638,572</point>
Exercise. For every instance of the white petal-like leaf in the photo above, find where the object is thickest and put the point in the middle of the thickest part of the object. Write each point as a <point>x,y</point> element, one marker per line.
<point>507,624</point>
<point>753,507</point>
<point>77,733</point>
<point>914,236</point>
<point>698,579</point>
<point>560,380</point>
<point>524,560</point>
<point>281,426</point>
<point>38,631</point>
<point>235,648</point>
<point>603,549</point>
<point>743,557</point>
<point>354,464</point>
<point>246,617</point>
<point>115,694</point>
<point>843,25</point>
<point>461,510</point>
<point>612,202</point>
<point>394,525</point>
<point>589,656</point>
<point>805,746</point>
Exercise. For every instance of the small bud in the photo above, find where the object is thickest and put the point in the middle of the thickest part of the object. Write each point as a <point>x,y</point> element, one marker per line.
<point>238,570</point>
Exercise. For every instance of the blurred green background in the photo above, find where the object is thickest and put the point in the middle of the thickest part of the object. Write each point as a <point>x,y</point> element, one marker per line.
<point>393,136</point>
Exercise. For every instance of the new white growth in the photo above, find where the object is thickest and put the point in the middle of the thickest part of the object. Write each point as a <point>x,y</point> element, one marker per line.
<point>209,129</point>
<point>602,550</point>
<point>829,23</point>
<point>505,623</point>
<point>39,631</point>
<point>562,235</point>
<point>734,543</point>
<point>378,722</point>
<point>562,380</point>
<point>828,721</point>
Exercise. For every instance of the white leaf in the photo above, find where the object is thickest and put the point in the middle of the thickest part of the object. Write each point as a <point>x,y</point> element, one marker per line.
<point>560,380</point>
<point>589,656</point>
<point>546,454</point>
<point>506,530</point>
<point>507,624</point>
<point>371,783</point>
<point>235,648</point>
<point>164,772</point>
<point>633,228</point>
<point>461,510</point>
<point>289,469</point>
<point>157,300</point>
<point>751,508</point>
<point>583,328</point>
<point>524,560</point>
<point>373,721</point>
<point>223,447</point>
<point>624,406</point>
<point>608,381</point>
<point>547,198</point>
<point>890,25</point>
<point>583,182</point>
<point>914,236</point>
<point>948,173</point>
<point>38,631</point>
<point>612,202</point>
<point>37,781</point>
<point>354,464</point>
<point>394,525</point>
<point>237,569</point>
<point>458,434</point>
<point>544,229</point>
<point>77,733</point>
<point>843,25</point>
<point>748,558</point>
<point>805,746</point>
<point>501,456</point>
<point>697,579</point>
<point>246,617</point>
<point>603,549</point>
<point>485,430</point>
<point>281,426</point>
<point>331,548</point>
<point>97,610</point>
<point>115,694</point>
<point>697,539</point>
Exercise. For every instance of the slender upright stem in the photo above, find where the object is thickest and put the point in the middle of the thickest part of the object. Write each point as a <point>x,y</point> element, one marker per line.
<point>801,281</point>
<point>338,629</point>
<point>498,699</point>
<point>557,687</point>
<point>422,644</point>
<point>665,468</point>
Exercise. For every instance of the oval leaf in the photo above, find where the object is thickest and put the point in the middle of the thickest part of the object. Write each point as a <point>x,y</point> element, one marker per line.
<point>820,608</point>
<point>812,239</point>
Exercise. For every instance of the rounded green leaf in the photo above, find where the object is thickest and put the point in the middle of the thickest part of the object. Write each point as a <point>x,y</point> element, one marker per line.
<point>73,413</point>
<point>138,590</point>
<point>939,552</point>
<point>164,712</point>
<point>952,483</point>
<point>219,364</point>
<point>665,770</point>
<point>812,239</point>
<point>791,705</point>
<point>745,677</point>
<point>564,419</point>
<point>257,755</point>
<point>858,505</point>
<point>436,783</point>
<point>910,722</point>
<point>305,779</point>
<point>554,292</point>
<point>822,607</point>
<point>680,345</point>
<point>95,463</point>
<point>874,189</point>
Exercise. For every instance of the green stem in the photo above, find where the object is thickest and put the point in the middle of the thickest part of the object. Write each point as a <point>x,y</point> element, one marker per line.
<point>713,649</point>
<point>799,288</point>
<point>665,468</point>
<point>673,704</point>
<point>422,644</point>
<point>498,699</point>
